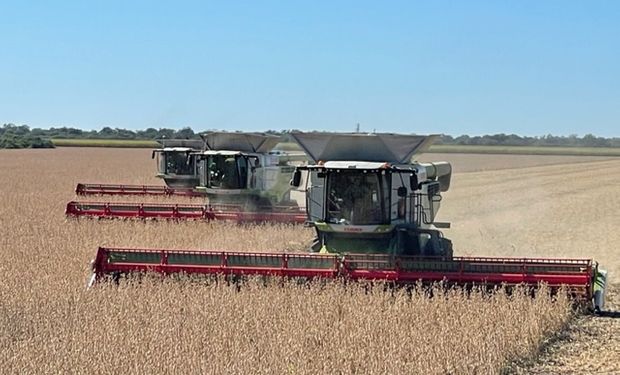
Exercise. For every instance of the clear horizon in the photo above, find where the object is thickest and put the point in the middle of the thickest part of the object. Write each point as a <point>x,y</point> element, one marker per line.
<point>199,131</point>
<point>527,68</point>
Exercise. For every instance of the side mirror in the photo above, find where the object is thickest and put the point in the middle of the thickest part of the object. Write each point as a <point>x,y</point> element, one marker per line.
<point>153,154</point>
<point>402,191</point>
<point>413,182</point>
<point>296,181</point>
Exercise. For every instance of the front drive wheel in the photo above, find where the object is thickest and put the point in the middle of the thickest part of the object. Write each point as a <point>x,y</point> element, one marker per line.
<point>446,248</point>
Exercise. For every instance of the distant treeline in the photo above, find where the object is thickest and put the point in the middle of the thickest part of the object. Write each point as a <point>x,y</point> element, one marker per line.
<point>104,133</point>
<point>22,136</point>
<point>12,136</point>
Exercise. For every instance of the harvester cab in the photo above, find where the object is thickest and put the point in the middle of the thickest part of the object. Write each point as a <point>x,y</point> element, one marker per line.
<point>240,168</point>
<point>175,163</point>
<point>365,196</point>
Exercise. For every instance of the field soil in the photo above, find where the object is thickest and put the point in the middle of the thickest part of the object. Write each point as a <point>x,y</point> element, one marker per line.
<point>472,162</point>
<point>540,206</point>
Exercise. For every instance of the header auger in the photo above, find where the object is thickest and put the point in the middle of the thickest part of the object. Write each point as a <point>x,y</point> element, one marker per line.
<point>374,212</point>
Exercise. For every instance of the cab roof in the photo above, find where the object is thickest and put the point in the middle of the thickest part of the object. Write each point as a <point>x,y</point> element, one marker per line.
<point>175,149</point>
<point>194,144</point>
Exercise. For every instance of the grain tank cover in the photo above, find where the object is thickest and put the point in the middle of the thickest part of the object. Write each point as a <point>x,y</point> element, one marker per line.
<point>244,142</point>
<point>392,148</point>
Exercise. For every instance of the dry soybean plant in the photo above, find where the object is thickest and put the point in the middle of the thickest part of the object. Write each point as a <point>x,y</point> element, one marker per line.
<point>172,325</point>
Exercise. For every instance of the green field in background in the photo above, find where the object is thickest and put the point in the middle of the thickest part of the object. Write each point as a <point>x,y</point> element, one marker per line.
<point>288,146</point>
<point>128,143</point>
<point>513,150</point>
<point>527,150</point>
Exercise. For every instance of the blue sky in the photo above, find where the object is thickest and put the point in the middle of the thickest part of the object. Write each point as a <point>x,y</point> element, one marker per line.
<point>454,67</point>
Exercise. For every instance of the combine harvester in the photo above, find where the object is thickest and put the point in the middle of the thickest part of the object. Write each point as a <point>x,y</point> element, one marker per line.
<point>182,163</point>
<point>176,165</point>
<point>242,169</point>
<point>374,213</point>
<point>237,173</point>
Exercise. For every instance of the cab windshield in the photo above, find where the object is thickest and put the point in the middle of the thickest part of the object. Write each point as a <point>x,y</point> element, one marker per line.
<point>177,163</point>
<point>227,171</point>
<point>358,197</point>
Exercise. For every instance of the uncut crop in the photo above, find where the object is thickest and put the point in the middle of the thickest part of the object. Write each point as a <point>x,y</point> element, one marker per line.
<point>49,323</point>
<point>198,327</point>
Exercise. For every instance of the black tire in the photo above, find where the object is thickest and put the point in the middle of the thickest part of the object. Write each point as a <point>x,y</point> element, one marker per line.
<point>447,250</point>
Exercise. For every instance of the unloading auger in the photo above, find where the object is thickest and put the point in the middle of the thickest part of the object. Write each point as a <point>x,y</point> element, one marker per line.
<point>374,214</point>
